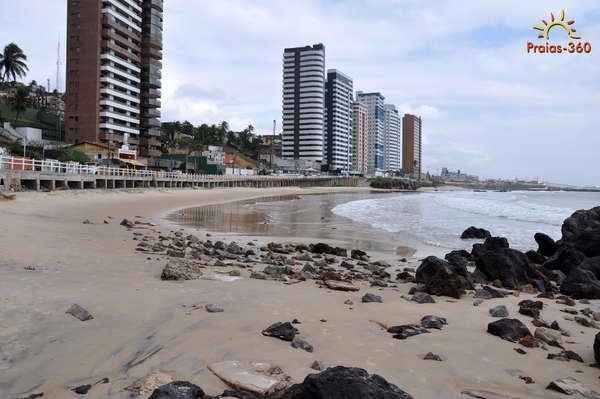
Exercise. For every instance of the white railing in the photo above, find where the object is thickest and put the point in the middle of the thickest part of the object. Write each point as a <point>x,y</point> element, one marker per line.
<point>48,166</point>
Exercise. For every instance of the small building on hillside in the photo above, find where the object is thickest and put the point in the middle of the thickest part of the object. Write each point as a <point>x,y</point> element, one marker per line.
<point>214,154</point>
<point>95,151</point>
<point>189,164</point>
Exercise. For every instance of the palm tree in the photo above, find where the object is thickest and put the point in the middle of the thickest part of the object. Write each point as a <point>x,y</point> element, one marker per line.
<point>12,63</point>
<point>20,101</point>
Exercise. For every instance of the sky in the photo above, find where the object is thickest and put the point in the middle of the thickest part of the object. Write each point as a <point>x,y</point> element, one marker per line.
<point>488,107</point>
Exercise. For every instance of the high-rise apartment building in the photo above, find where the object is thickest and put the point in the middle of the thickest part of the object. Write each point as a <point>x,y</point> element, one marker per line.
<point>392,138</point>
<point>303,103</point>
<point>412,154</point>
<point>374,102</point>
<point>114,52</point>
<point>360,147</point>
<point>339,96</point>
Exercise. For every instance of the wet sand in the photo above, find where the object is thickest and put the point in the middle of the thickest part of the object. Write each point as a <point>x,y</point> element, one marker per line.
<point>140,323</point>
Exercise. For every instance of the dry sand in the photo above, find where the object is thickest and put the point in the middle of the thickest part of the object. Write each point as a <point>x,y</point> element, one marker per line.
<point>141,326</point>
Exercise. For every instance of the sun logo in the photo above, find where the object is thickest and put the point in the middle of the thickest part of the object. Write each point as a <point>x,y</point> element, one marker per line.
<point>560,22</point>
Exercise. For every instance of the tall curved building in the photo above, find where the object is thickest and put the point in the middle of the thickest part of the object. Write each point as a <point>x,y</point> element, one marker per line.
<point>303,103</point>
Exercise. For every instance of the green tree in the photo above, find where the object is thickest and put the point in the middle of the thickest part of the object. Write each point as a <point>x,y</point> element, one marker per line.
<point>20,101</point>
<point>13,63</point>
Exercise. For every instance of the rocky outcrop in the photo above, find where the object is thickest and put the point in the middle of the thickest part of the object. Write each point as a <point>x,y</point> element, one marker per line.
<point>565,259</point>
<point>497,261</point>
<point>508,329</point>
<point>475,233</point>
<point>581,284</point>
<point>344,383</point>
<point>443,278</point>
<point>459,258</point>
<point>582,229</point>
<point>546,245</point>
<point>322,248</point>
<point>178,390</point>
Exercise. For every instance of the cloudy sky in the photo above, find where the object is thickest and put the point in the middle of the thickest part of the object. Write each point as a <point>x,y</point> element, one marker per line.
<point>488,106</point>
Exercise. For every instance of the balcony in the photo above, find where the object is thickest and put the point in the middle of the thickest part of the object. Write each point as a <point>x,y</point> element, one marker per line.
<point>150,123</point>
<point>151,52</point>
<point>151,113</point>
<point>153,41</point>
<point>150,93</point>
<point>112,22</point>
<point>150,102</point>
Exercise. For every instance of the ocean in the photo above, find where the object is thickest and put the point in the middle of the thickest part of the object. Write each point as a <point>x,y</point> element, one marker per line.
<point>437,219</point>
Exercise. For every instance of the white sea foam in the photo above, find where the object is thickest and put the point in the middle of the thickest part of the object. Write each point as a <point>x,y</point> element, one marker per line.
<point>438,219</point>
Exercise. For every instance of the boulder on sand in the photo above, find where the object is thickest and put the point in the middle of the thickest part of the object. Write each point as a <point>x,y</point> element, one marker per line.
<point>369,298</point>
<point>181,269</point>
<point>178,390</point>
<point>497,261</point>
<point>326,249</point>
<point>499,311</point>
<point>344,383</point>
<point>433,322</point>
<point>459,258</point>
<point>80,313</point>
<point>284,331</point>
<point>443,278</point>
<point>475,233</point>
<point>508,329</point>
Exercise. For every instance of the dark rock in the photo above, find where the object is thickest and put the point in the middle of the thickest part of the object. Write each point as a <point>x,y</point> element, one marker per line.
<point>581,284</point>
<point>301,343</point>
<point>529,342</point>
<point>79,313</point>
<point>422,297</point>
<point>284,331</point>
<point>520,351</point>
<point>322,248</point>
<point>499,311</point>
<point>528,303</point>
<point>433,356</point>
<point>582,229</point>
<point>214,308</point>
<point>591,264</point>
<point>565,356</point>
<point>406,331</point>
<point>178,390</point>
<point>535,257</point>
<point>359,255</point>
<point>487,292</point>
<point>496,261</point>
<point>127,223</point>
<point>565,259</point>
<point>82,389</point>
<point>173,253</point>
<point>585,322</point>
<point>459,258</point>
<point>368,298</point>
<point>433,322</point>
<point>443,278</point>
<point>546,245</point>
<point>546,295</point>
<point>343,383</point>
<point>229,393</point>
<point>508,329</point>
<point>531,312</point>
<point>556,275</point>
<point>565,300</point>
<point>405,276</point>
<point>475,233</point>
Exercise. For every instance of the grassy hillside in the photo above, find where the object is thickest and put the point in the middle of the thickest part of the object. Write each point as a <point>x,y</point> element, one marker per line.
<point>33,118</point>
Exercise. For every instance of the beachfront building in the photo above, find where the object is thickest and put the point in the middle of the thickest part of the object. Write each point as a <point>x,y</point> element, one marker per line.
<point>359,138</point>
<point>304,104</point>
<point>392,139</point>
<point>411,145</point>
<point>114,52</point>
<point>374,102</point>
<point>339,96</point>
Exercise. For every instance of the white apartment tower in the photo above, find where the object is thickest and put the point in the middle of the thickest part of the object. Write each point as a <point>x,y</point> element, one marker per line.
<point>303,103</point>
<point>392,138</point>
<point>339,96</point>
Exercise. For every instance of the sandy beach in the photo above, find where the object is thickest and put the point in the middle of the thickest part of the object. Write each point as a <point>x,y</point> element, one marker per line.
<point>50,259</point>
